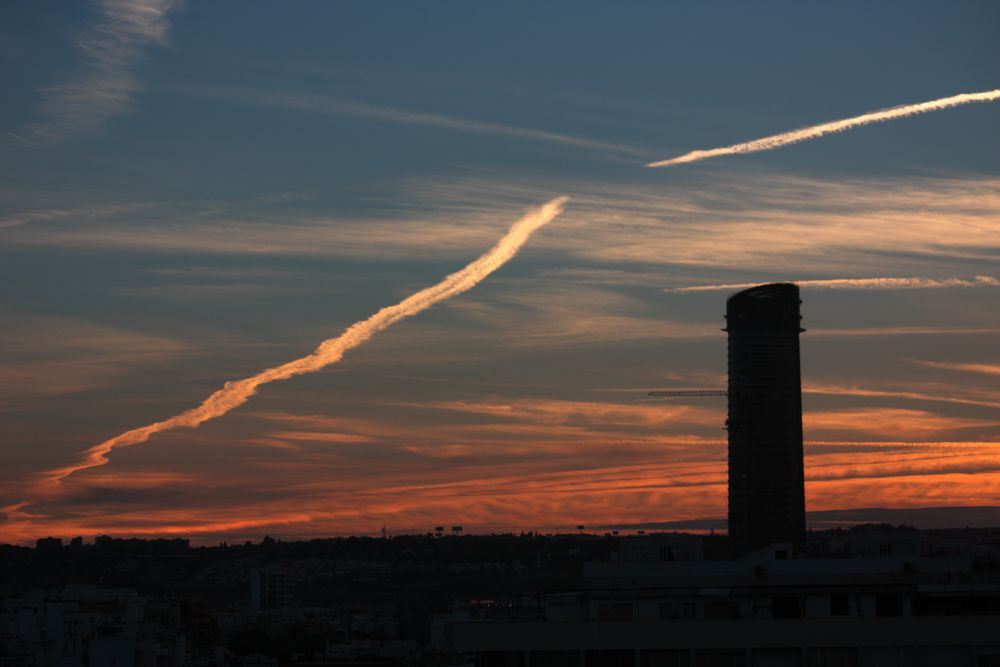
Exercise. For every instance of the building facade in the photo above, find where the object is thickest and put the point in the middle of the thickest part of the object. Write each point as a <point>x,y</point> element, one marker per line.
<point>764,610</point>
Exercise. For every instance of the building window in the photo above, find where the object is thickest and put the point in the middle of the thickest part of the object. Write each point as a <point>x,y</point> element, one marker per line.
<point>889,656</point>
<point>664,658</point>
<point>670,611</point>
<point>786,606</point>
<point>614,611</point>
<point>554,659</point>
<point>722,609</point>
<point>500,659</point>
<point>832,656</point>
<point>622,658</point>
<point>889,604</point>
<point>776,657</point>
<point>840,605</point>
<point>710,658</point>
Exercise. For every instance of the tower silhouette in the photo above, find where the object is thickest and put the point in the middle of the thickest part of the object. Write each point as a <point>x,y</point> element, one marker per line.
<point>766,480</point>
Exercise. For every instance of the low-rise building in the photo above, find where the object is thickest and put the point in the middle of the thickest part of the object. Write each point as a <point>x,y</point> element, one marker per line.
<point>764,609</point>
<point>77,625</point>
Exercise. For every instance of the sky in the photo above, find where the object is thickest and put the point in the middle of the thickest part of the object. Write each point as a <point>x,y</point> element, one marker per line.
<point>194,192</point>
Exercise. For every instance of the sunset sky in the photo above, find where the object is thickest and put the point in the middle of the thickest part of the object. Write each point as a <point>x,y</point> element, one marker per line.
<point>194,192</point>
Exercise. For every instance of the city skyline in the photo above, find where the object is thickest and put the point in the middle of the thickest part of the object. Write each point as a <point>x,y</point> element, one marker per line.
<point>192,196</point>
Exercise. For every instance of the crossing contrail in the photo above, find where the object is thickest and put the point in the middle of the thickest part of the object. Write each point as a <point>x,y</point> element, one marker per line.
<point>236,393</point>
<point>815,131</point>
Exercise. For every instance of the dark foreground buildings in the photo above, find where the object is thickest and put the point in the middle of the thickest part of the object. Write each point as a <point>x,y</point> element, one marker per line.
<point>766,487</point>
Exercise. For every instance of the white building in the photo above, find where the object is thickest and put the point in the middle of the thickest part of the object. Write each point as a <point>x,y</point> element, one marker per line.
<point>78,625</point>
<point>270,588</point>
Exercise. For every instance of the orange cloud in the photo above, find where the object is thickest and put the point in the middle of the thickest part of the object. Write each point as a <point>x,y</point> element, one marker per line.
<point>891,423</point>
<point>987,369</point>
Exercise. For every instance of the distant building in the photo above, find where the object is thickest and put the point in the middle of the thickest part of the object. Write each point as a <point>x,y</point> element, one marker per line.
<point>875,542</point>
<point>270,588</point>
<point>668,548</point>
<point>82,625</point>
<point>766,481</point>
<point>47,545</point>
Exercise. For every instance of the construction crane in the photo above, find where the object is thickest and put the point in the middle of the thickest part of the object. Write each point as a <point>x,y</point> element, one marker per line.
<point>689,393</point>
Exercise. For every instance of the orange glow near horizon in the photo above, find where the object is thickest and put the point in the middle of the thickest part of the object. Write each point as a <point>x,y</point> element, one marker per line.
<point>523,464</point>
<point>485,498</point>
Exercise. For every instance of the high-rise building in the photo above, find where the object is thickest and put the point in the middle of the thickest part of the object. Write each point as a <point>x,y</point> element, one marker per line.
<point>766,487</point>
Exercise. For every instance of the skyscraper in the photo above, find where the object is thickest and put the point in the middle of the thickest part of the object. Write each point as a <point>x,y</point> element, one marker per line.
<point>766,482</point>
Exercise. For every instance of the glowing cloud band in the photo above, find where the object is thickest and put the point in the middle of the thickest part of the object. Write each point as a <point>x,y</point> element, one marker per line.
<point>816,131</point>
<point>858,283</point>
<point>236,393</point>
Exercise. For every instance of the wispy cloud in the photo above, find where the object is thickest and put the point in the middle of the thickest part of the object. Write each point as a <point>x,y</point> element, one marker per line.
<point>839,332</point>
<point>105,82</point>
<point>987,401</point>
<point>810,227</point>
<point>986,369</point>
<point>816,131</point>
<point>856,284</point>
<point>47,356</point>
<point>762,220</point>
<point>340,106</point>
<point>69,214</point>
<point>551,315</point>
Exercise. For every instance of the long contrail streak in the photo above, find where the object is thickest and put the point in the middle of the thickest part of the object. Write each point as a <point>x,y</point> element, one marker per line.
<point>785,138</point>
<point>236,393</point>
<point>858,283</point>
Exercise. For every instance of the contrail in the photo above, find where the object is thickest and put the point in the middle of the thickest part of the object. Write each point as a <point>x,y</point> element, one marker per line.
<point>858,283</point>
<point>326,104</point>
<point>236,393</point>
<point>778,140</point>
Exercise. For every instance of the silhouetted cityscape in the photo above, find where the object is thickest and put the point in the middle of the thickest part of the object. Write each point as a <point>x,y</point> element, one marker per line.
<point>654,599</point>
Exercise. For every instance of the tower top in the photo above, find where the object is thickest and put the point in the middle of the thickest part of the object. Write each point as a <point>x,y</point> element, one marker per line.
<point>768,291</point>
<point>774,306</point>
